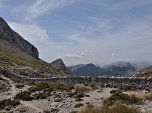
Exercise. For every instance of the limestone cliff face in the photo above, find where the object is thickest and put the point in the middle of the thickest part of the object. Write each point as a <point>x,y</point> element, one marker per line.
<point>10,36</point>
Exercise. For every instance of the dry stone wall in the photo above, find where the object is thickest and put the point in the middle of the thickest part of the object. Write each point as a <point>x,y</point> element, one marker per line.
<point>139,83</point>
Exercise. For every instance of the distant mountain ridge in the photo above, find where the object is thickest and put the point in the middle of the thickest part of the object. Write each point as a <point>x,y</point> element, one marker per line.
<point>10,36</point>
<point>87,70</point>
<point>115,69</point>
<point>142,65</point>
<point>120,68</point>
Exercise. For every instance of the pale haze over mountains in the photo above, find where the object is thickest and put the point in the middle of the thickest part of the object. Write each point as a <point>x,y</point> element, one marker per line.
<point>84,31</point>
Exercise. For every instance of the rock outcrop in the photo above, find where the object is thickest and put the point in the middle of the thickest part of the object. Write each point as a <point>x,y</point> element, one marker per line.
<point>59,64</point>
<point>10,36</point>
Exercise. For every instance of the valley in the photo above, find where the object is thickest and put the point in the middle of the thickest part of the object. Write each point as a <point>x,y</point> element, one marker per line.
<point>30,85</point>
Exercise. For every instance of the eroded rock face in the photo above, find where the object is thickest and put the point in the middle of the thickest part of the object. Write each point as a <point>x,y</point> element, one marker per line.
<point>59,64</point>
<point>10,36</point>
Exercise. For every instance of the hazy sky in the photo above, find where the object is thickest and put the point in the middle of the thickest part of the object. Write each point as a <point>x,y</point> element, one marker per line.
<point>84,31</point>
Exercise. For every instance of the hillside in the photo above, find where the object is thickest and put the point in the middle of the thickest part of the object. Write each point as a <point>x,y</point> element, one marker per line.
<point>13,38</point>
<point>142,65</point>
<point>147,72</point>
<point>60,66</point>
<point>87,70</point>
<point>120,68</point>
<point>13,58</point>
<point>20,56</point>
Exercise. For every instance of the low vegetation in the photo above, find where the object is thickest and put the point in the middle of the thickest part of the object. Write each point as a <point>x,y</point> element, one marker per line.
<point>21,110</point>
<point>149,97</point>
<point>117,95</point>
<point>79,92</point>
<point>125,87</point>
<point>41,91</point>
<point>73,112</point>
<point>78,105</point>
<point>19,85</point>
<point>4,85</point>
<point>10,55</point>
<point>82,88</point>
<point>25,95</point>
<point>118,108</point>
<point>8,102</point>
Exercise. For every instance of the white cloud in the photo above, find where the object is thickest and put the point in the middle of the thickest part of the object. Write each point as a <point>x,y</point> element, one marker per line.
<point>41,7</point>
<point>72,56</point>
<point>35,35</point>
<point>32,33</point>
<point>94,42</point>
<point>130,43</point>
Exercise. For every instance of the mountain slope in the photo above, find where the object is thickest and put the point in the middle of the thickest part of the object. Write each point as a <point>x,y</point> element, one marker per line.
<point>59,64</point>
<point>21,57</point>
<point>120,68</point>
<point>115,69</point>
<point>147,72</point>
<point>87,70</point>
<point>142,65</point>
<point>10,36</point>
<point>12,57</point>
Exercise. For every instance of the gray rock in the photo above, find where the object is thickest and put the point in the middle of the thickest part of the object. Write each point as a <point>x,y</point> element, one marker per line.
<point>10,36</point>
<point>59,64</point>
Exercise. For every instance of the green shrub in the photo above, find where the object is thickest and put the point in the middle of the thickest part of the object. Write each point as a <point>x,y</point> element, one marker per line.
<point>119,96</point>
<point>71,94</point>
<point>82,88</point>
<point>125,87</point>
<point>69,88</point>
<point>73,112</point>
<point>78,105</point>
<point>58,100</point>
<point>46,111</point>
<point>8,102</point>
<point>19,85</point>
<point>79,95</point>
<point>78,99</point>
<point>22,110</point>
<point>38,87</point>
<point>42,95</point>
<point>25,95</point>
<point>118,108</point>
<point>114,91</point>
<point>133,99</point>
<point>56,86</point>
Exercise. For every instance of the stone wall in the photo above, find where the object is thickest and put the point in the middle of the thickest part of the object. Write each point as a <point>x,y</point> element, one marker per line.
<point>139,83</point>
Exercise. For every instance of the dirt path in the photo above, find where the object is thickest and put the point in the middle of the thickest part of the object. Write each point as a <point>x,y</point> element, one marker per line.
<point>31,106</point>
<point>13,88</point>
<point>14,91</point>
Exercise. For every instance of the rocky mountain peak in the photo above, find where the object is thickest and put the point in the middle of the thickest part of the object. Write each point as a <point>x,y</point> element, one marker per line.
<point>90,65</point>
<point>59,64</point>
<point>10,36</point>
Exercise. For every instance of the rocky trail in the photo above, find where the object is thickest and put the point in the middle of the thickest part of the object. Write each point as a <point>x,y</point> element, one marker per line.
<point>14,91</point>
